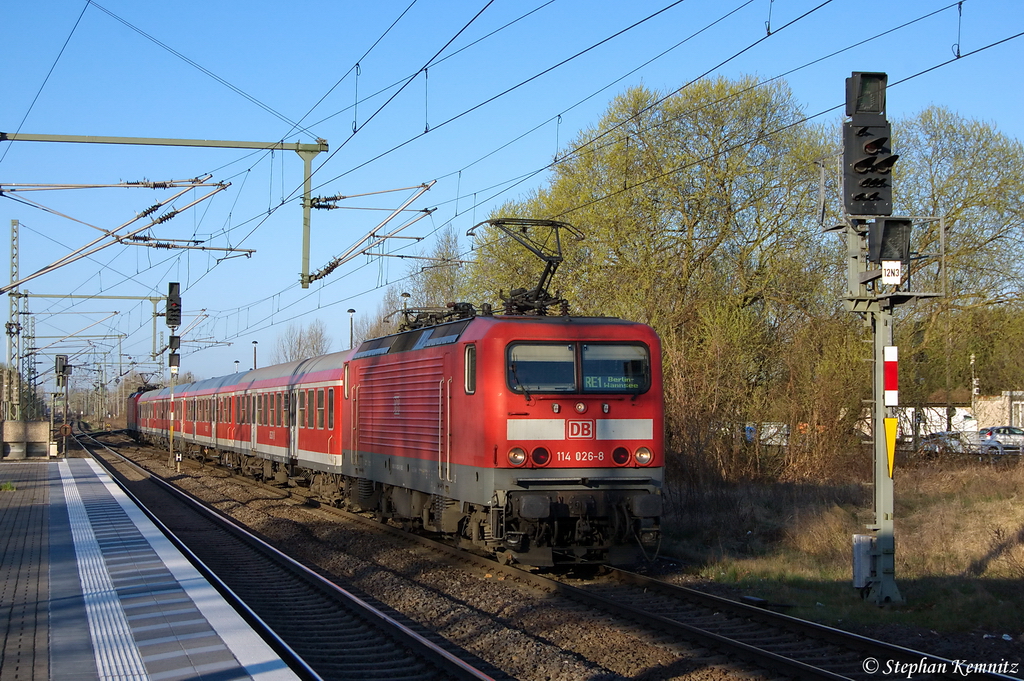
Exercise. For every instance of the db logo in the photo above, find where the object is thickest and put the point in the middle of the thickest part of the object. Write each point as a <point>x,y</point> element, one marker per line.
<point>581,430</point>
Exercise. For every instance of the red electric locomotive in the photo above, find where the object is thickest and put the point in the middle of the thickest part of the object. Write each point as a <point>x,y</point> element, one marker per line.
<point>536,438</point>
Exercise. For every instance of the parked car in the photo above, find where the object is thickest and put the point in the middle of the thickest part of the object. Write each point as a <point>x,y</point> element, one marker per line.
<point>1001,440</point>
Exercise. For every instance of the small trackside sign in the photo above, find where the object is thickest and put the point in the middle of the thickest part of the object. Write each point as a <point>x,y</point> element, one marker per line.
<point>581,430</point>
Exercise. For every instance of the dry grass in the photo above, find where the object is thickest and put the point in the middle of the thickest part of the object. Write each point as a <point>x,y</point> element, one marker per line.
<point>959,545</point>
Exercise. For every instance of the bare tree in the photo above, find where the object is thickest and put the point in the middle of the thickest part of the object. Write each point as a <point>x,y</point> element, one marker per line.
<point>435,282</point>
<point>384,321</point>
<point>297,342</point>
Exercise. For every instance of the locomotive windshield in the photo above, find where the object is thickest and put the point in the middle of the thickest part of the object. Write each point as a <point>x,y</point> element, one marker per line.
<point>578,368</point>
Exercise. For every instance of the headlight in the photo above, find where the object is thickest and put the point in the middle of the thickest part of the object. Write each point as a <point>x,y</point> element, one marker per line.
<point>620,456</point>
<point>644,456</point>
<point>516,456</point>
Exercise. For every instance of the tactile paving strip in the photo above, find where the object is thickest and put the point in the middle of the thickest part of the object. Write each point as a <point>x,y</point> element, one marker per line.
<point>143,623</point>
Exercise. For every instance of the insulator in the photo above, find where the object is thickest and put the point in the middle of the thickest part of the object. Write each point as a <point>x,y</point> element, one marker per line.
<point>165,217</point>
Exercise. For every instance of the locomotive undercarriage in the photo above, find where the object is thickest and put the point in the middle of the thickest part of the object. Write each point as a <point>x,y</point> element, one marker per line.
<point>539,528</point>
<point>596,527</point>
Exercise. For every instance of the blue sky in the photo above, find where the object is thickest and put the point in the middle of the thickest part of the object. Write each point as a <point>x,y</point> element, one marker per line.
<point>503,90</point>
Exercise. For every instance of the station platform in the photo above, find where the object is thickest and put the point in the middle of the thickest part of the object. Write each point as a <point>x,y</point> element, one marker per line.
<point>90,589</point>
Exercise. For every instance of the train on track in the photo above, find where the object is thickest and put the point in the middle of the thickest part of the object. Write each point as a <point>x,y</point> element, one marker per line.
<point>535,438</point>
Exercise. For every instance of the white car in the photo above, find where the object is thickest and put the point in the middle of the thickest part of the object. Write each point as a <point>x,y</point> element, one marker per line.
<point>1001,440</point>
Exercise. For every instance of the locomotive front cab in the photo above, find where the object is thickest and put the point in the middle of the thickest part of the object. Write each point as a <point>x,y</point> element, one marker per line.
<point>583,444</point>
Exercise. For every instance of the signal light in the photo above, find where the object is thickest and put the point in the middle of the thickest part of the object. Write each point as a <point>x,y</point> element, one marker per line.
<point>867,166</point>
<point>889,239</point>
<point>61,369</point>
<point>173,310</point>
<point>867,158</point>
<point>865,93</point>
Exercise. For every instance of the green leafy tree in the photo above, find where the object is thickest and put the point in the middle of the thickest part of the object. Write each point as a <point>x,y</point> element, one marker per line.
<point>699,214</point>
<point>703,217</point>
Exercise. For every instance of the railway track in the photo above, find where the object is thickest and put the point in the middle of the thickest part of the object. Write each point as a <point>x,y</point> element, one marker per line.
<point>722,630</point>
<point>312,621</point>
<point>771,641</point>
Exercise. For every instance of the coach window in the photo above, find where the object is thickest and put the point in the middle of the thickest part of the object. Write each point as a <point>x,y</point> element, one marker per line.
<point>302,409</point>
<point>344,381</point>
<point>310,409</point>
<point>330,409</point>
<point>470,369</point>
<point>320,408</point>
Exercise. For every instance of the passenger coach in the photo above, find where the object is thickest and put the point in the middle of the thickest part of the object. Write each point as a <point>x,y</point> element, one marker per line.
<point>537,439</point>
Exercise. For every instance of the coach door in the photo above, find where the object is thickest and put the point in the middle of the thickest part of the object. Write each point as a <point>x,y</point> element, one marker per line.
<point>291,398</point>
<point>253,419</point>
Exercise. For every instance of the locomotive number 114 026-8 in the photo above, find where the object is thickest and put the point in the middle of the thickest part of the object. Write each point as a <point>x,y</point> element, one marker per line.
<point>579,456</point>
